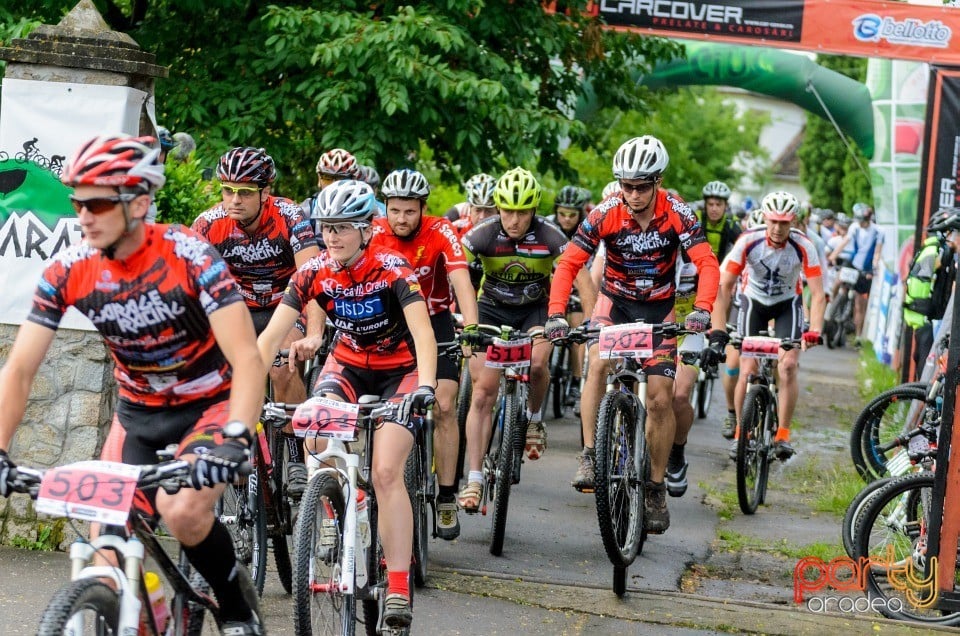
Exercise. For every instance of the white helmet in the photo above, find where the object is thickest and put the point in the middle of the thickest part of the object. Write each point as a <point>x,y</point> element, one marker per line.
<point>610,188</point>
<point>717,189</point>
<point>780,206</point>
<point>405,184</point>
<point>344,201</point>
<point>640,158</point>
<point>757,219</point>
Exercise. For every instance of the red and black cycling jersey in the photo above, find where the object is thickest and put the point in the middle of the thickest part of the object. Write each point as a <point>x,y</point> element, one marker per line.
<point>365,302</point>
<point>515,272</point>
<point>433,252</point>
<point>640,263</point>
<point>264,261</point>
<point>152,309</point>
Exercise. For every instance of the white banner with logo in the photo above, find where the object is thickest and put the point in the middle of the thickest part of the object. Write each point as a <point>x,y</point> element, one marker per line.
<point>41,125</point>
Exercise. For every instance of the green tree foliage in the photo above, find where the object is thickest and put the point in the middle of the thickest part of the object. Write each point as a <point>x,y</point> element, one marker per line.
<point>828,171</point>
<point>185,194</point>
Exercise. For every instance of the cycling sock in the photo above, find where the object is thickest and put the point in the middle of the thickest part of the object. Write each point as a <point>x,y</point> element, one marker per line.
<point>533,417</point>
<point>294,447</point>
<point>214,559</point>
<point>783,435</point>
<point>676,454</point>
<point>475,475</point>
<point>733,372</point>
<point>447,493</point>
<point>732,412</point>
<point>398,583</point>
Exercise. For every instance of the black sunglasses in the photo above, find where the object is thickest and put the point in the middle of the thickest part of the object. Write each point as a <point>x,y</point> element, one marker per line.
<point>639,188</point>
<point>99,205</point>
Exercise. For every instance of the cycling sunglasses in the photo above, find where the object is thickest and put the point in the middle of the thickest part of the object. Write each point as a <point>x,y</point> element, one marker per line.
<point>99,205</point>
<point>245,192</point>
<point>639,188</point>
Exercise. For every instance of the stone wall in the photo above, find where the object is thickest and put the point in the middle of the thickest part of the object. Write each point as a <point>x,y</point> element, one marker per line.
<point>66,420</point>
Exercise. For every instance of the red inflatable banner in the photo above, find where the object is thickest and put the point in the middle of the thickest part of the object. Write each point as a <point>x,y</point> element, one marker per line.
<point>865,28</point>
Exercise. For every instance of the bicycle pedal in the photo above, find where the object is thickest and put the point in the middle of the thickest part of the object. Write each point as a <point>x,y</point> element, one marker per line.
<point>586,490</point>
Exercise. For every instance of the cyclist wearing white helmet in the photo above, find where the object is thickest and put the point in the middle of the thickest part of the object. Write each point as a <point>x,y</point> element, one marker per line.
<point>461,210</point>
<point>867,240</point>
<point>772,260</point>
<point>644,229</point>
<point>384,346</point>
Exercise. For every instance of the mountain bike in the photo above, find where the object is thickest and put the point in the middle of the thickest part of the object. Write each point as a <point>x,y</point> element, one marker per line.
<point>561,379</point>
<point>838,317</point>
<point>701,396</point>
<point>510,351</point>
<point>105,492</point>
<point>338,556</point>
<point>759,421</point>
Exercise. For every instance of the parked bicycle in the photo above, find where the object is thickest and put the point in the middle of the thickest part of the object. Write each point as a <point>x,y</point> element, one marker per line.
<point>104,492</point>
<point>759,420</point>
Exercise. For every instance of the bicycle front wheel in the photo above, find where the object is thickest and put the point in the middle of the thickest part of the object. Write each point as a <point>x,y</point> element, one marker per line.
<point>893,535</point>
<point>559,383</point>
<point>415,478</point>
<point>705,394</point>
<point>320,606</point>
<point>752,451</point>
<point>510,440</point>
<point>620,468</point>
<point>87,605</point>
<point>464,394</point>
<point>241,509</point>
<point>886,416</point>
<point>851,518</point>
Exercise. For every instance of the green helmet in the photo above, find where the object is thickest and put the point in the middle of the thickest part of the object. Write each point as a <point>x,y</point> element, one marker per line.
<point>517,189</point>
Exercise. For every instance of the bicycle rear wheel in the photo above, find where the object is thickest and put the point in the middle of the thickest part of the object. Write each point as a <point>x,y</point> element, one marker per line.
<point>559,383</point>
<point>464,393</point>
<point>281,530</point>
<point>502,476</point>
<point>241,509</point>
<point>415,478</point>
<point>320,606</point>
<point>881,421</point>
<point>893,532</point>
<point>851,518</point>
<point>88,600</point>
<point>752,451</point>
<point>621,461</point>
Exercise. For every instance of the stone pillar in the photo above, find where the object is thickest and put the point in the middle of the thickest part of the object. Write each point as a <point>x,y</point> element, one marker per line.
<point>73,396</point>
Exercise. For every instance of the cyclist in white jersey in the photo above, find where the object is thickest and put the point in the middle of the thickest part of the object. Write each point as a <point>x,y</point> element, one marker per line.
<point>772,261</point>
<point>867,241</point>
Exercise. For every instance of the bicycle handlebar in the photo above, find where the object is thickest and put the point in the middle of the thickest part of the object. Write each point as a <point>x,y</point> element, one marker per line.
<point>171,476</point>
<point>584,333</point>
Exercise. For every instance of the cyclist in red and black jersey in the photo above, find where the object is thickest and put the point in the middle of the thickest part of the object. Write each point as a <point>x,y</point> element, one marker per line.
<point>264,239</point>
<point>373,298</point>
<point>461,210</point>
<point>432,248</point>
<point>186,359</point>
<point>643,228</point>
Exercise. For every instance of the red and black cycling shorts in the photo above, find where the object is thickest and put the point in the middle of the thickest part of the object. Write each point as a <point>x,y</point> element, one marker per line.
<point>348,383</point>
<point>609,311</point>
<point>138,432</point>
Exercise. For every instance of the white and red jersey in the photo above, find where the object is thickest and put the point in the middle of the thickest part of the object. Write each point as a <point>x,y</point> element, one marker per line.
<point>772,274</point>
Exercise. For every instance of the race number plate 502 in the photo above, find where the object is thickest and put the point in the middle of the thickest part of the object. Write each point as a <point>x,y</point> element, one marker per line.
<point>634,340</point>
<point>323,417</point>
<point>509,353</point>
<point>90,490</point>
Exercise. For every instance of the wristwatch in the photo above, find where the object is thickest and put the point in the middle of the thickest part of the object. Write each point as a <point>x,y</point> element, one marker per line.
<point>237,430</point>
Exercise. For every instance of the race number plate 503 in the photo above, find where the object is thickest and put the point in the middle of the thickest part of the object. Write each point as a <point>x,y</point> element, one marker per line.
<point>849,275</point>
<point>90,490</point>
<point>634,340</point>
<point>760,347</point>
<point>323,417</point>
<point>509,353</point>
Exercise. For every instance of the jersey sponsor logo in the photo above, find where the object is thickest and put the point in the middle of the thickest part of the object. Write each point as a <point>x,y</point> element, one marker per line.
<point>642,241</point>
<point>106,284</point>
<point>212,273</point>
<point>391,261</point>
<point>537,251</point>
<point>447,230</point>
<point>254,252</point>
<point>138,313</point>
<point>358,309</point>
<point>334,289</point>
<point>188,247</point>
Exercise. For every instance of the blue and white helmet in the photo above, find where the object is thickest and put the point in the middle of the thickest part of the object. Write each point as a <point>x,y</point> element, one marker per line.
<point>343,202</point>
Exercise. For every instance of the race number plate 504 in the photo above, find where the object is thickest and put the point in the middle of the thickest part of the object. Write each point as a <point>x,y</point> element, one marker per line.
<point>849,275</point>
<point>626,341</point>
<point>760,347</point>
<point>509,353</point>
<point>323,417</point>
<point>89,490</point>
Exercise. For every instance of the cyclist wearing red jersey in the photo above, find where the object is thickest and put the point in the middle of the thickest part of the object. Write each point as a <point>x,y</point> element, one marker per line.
<point>264,239</point>
<point>643,228</point>
<point>432,248</point>
<point>373,297</point>
<point>461,210</point>
<point>770,260</point>
<point>182,340</point>
<point>481,206</point>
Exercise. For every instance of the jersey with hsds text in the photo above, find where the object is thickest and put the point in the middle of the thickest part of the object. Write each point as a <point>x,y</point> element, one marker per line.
<point>152,310</point>
<point>771,274</point>
<point>433,252</point>
<point>263,262</point>
<point>640,263</point>
<point>365,303</point>
<point>515,273</point>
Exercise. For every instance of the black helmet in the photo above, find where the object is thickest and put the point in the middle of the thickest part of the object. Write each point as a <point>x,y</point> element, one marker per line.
<point>572,197</point>
<point>944,220</point>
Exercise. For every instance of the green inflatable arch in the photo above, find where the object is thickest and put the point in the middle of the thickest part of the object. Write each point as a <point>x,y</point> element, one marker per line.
<point>788,76</point>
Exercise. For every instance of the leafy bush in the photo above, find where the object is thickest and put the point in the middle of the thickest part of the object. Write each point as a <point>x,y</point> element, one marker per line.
<point>186,194</point>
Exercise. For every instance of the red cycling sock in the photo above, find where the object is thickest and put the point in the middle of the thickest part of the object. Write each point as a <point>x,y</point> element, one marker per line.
<point>398,583</point>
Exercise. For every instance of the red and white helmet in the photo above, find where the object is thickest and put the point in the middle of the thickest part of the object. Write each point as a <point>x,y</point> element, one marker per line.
<point>338,163</point>
<point>780,206</point>
<point>120,161</point>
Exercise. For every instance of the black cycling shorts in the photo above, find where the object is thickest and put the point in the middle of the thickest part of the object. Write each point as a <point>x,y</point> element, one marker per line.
<point>755,317</point>
<point>523,318</point>
<point>261,318</point>
<point>444,331</point>
<point>609,311</point>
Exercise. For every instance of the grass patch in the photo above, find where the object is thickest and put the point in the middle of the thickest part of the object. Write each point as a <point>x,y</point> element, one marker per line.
<point>736,542</point>
<point>841,485</point>
<point>725,499</point>
<point>49,536</point>
<point>873,376</point>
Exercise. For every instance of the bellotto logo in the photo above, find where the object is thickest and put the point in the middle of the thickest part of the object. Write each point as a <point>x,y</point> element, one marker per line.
<point>843,574</point>
<point>873,28</point>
